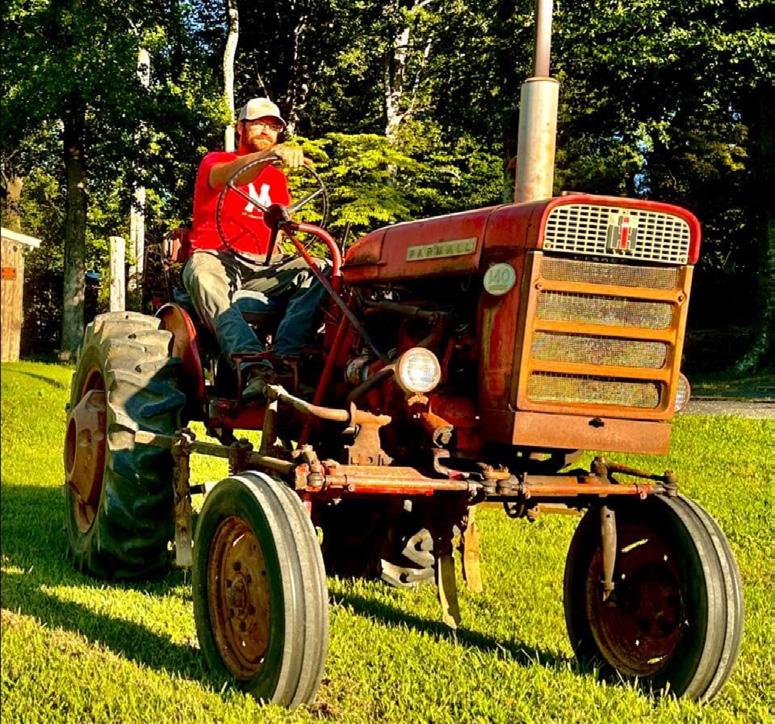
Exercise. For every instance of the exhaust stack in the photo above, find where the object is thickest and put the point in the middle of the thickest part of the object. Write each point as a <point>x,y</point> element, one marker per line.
<point>537,118</point>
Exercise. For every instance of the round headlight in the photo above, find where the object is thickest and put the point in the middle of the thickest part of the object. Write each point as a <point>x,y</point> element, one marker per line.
<point>683,393</point>
<point>418,370</point>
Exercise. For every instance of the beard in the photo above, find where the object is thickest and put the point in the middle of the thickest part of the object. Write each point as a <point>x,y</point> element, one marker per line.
<point>259,142</point>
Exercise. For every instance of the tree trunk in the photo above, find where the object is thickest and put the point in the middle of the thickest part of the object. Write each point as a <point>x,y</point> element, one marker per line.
<point>394,65</point>
<point>74,120</point>
<point>299,82</point>
<point>229,53</point>
<point>137,211</point>
<point>510,66</point>
<point>400,92</point>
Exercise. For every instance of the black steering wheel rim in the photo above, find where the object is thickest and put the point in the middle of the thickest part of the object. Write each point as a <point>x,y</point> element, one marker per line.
<point>321,191</point>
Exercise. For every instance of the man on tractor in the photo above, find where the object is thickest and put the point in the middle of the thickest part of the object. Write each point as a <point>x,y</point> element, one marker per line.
<point>230,240</point>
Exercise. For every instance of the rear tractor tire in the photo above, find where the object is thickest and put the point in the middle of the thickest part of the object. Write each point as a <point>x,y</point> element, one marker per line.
<point>118,495</point>
<point>259,590</point>
<point>675,617</point>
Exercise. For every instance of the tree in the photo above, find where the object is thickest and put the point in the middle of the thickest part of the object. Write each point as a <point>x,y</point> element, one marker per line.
<point>229,52</point>
<point>76,63</point>
<point>674,101</point>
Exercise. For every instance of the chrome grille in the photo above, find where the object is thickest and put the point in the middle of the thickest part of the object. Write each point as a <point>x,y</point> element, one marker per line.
<point>587,229</point>
<point>590,349</point>
<point>546,387</point>
<point>611,311</point>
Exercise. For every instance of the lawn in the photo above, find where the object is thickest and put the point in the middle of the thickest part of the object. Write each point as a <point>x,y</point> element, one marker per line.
<point>76,649</point>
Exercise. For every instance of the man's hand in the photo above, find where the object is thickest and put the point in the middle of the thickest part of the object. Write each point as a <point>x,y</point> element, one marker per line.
<point>290,157</point>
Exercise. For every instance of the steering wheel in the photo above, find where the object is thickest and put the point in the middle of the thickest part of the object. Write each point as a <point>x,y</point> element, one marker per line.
<point>276,216</point>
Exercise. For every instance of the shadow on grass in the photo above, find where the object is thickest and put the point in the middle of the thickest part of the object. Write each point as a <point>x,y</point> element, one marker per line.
<point>518,651</point>
<point>130,640</point>
<point>42,378</point>
<point>34,543</point>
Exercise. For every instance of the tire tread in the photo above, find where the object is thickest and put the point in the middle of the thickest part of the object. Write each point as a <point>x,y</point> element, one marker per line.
<point>130,535</point>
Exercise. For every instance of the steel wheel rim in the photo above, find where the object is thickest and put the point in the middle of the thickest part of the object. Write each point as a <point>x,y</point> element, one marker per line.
<point>639,628</point>
<point>239,597</point>
<point>85,510</point>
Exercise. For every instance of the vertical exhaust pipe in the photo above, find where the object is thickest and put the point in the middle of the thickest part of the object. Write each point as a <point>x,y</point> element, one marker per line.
<point>537,117</point>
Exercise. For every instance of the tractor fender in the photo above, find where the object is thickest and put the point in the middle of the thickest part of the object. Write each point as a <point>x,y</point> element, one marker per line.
<point>185,345</point>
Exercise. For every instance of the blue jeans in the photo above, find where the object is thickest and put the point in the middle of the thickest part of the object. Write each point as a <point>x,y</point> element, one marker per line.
<point>215,280</point>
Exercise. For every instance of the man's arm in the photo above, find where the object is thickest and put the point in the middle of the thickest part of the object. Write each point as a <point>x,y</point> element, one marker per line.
<point>221,172</point>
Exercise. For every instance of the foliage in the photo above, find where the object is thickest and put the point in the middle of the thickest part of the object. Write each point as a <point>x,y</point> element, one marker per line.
<point>78,649</point>
<point>669,96</point>
<point>374,181</point>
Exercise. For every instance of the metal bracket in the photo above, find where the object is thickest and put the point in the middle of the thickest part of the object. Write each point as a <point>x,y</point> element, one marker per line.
<point>608,545</point>
<point>181,473</point>
<point>447,589</point>
<point>239,452</point>
<point>314,476</point>
<point>469,554</point>
<point>367,447</point>
<point>603,468</point>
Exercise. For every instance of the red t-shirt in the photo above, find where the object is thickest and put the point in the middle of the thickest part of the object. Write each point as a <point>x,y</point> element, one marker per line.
<point>242,223</point>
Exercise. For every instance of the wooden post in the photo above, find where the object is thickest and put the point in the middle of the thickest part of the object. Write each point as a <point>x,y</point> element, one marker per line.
<point>117,286</point>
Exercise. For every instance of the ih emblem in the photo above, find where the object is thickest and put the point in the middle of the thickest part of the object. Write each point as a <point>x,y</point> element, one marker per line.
<point>622,232</point>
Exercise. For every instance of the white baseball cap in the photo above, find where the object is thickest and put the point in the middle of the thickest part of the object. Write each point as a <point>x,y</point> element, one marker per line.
<point>260,108</point>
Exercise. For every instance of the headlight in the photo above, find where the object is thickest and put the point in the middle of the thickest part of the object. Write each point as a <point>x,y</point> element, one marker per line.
<point>418,370</point>
<point>683,393</point>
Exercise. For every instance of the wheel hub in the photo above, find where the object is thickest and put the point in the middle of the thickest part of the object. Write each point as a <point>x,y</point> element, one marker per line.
<point>641,624</point>
<point>239,597</point>
<point>85,448</point>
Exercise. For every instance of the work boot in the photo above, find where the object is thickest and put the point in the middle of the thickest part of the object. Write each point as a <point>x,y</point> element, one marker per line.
<point>259,377</point>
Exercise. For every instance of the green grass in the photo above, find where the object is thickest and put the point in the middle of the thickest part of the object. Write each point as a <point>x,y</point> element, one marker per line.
<point>76,649</point>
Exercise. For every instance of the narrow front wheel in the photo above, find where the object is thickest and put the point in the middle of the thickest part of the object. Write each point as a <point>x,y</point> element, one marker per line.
<point>675,617</point>
<point>259,589</point>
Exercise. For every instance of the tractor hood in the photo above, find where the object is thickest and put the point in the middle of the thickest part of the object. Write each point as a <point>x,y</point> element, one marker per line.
<point>439,246</point>
<point>466,242</point>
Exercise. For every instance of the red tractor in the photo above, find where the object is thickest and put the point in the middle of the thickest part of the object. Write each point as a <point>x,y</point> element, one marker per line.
<point>462,359</point>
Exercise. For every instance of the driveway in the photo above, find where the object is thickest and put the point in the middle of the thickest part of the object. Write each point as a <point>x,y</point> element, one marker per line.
<point>764,409</point>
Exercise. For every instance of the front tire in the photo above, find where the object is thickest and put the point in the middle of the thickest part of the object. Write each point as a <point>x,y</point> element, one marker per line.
<point>118,495</point>
<point>259,590</point>
<point>674,620</point>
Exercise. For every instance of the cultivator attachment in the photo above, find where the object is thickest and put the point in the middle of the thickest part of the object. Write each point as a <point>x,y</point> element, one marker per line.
<point>428,552</point>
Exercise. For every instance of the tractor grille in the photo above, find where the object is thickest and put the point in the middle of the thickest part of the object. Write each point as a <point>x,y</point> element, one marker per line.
<point>603,334</point>
<point>613,311</point>
<point>589,272</point>
<point>594,230</point>
<point>581,348</point>
<point>595,390</point>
